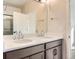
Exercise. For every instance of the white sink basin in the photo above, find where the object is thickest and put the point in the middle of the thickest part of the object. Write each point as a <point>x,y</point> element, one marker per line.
<point>22,41</point>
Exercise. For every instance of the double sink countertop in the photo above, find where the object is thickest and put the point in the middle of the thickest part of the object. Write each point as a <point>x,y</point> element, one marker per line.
<point>9,44</point>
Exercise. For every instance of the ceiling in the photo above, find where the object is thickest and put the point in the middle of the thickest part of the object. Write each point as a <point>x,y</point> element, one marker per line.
<point>16,2</point>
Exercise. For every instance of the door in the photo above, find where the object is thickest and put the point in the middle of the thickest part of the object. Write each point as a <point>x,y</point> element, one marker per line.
<point>38,56</point>
<point>54,53</point>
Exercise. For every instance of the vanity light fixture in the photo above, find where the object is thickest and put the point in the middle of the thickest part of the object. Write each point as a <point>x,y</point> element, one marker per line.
<point>41,1</point>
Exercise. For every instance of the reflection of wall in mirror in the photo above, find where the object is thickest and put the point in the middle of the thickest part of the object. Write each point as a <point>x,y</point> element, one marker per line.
<point>40,12</point>
<point>8,18</point>
<point>26,23</point>
<point>9,9</point>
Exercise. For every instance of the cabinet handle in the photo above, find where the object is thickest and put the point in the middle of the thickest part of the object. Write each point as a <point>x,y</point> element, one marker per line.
<point>55,52</point>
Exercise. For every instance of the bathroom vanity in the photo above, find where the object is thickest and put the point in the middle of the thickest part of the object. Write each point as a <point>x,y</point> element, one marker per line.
<point>51,49</point>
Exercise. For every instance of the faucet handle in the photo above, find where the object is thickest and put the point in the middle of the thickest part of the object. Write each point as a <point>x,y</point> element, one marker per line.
<point>21,35</point>
<point>14,35</point>
<point>14,32</point>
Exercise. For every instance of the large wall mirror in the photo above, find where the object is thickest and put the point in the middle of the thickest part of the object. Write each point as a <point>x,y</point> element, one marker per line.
<point>26,23</point>
<point>27,16</point>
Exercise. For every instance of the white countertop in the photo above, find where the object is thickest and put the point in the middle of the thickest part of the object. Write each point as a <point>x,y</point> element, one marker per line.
<point>10,44</point>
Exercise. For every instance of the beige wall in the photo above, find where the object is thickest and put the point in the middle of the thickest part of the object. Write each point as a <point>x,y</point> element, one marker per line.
<point>40,10</point>
<point>59,11</point>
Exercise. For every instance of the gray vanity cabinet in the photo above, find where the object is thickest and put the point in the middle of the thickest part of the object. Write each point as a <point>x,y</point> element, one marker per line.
<point>54,50</point>
<point>49,50</point>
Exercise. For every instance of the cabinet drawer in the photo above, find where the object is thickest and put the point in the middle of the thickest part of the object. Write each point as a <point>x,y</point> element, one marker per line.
<point>53,44</point>
<point>38,56</point>
<point>24,52</point>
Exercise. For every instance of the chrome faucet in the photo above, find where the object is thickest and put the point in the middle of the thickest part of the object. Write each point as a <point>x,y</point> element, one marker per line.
<point>18,35</point>
<point>15,35</point>
<point>41,34</point>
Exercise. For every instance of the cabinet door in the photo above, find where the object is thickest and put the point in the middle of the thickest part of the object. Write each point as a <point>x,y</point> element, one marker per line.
<point>54,53</point>
<point>38,56</point>
<point>49,54</point>
<point>59,52</point>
